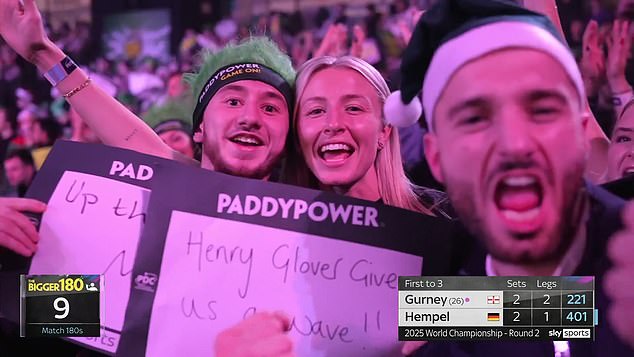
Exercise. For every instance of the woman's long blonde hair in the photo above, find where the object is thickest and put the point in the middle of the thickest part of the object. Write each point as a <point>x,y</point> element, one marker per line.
<point>395,188</point>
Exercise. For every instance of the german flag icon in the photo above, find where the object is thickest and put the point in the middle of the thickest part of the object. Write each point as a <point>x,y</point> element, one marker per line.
<point>493,316</point>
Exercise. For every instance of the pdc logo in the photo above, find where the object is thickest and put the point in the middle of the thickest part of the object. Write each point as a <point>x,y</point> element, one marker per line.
<point>146,281</point>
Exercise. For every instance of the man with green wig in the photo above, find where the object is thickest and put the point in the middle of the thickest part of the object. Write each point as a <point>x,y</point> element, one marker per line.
<point>243,99</point>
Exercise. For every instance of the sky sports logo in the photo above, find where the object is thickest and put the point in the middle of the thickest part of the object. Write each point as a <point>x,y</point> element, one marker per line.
<point>295,209</point>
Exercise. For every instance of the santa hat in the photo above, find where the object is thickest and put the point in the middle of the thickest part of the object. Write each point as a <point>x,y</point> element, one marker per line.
<point>454,32</point>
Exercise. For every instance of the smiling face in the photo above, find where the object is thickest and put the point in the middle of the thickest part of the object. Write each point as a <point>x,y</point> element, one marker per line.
<point>340,126</point>
<point>621,151</point>
<point>511,153</point>
<point>244,129</point>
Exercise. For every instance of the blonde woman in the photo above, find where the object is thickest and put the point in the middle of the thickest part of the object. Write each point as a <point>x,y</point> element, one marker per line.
<point>343,143</point>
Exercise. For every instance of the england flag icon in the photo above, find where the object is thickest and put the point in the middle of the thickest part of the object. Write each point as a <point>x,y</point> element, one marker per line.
<point>493,299</point>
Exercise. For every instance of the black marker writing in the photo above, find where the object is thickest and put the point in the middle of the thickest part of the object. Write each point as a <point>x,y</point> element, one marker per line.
<point>89,198</point>
<point>378,320</point>
<point>359,272</point>
<point>220,253</point>
<point>121,256</point>
<point>189,309</point>
<point>321,328</point>
<point>283,260</point>
<point>121,211</point>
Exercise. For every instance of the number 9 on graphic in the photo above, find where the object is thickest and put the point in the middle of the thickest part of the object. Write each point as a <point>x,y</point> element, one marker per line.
<point>60,305</point>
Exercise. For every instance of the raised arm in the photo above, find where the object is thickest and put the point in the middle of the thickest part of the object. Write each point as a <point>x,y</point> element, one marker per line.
<point>619,48</point>
<point>21,27</point>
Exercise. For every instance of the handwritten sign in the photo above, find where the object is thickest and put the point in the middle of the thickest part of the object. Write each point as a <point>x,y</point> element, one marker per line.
<point>233,247</point>
<point>341,295</point>
<point>92,226</point>
<point>186,253</point>
<point>96,209</point>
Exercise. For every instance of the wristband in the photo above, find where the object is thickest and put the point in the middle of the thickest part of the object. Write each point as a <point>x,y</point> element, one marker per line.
<point>60,71</point>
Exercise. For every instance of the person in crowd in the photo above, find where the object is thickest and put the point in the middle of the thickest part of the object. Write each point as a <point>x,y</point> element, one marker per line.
<point>621,152</point>
<point>26,118</point>
<point>613,68</point>
<point>604,76</point>
<point>171,122</point>
<point>346,146</point>
<point>511,155</point>
<point>620,173</point>
<point>6,130</point>
<point>176,88</point>
<point>20,170</point>
<point>44,133</point>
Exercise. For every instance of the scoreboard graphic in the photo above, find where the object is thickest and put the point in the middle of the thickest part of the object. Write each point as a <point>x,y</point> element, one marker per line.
<point>496,308</point>
<point>60,305</point>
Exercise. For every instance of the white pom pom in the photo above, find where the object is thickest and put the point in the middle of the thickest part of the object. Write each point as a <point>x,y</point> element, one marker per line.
<point>400,114</point>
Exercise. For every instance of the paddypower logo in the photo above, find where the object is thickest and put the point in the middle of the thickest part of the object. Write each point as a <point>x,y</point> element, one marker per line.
<point>295,209</point>
<point>229,72</point>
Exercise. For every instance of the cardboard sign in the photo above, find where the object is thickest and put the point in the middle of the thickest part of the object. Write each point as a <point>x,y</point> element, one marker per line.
<point>234,246</point>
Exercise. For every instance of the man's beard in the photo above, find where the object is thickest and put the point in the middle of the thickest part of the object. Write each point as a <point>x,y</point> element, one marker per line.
<point>263,171</point>
<point>462,198</point>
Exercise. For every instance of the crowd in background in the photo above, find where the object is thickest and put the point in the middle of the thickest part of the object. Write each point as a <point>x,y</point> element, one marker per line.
<point>32,116</point>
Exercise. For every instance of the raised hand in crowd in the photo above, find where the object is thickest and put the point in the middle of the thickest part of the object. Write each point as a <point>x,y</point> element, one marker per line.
<point>619,47</point>
<point>592,63</point>
<point>333,43</point>
<point>22,28</point>
<point>356,48</point>
<point>263,334</point>
<point>406,30</point>
<point>17,233</point>
<point>618,283</point>
<point>302,48</point>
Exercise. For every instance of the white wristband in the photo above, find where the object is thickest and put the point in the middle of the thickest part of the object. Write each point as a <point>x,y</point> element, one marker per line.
<point>60,71</point>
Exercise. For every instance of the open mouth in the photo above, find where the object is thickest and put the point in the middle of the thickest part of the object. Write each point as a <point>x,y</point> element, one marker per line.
<point>518,198</point>
<point>336,152</point>
<point>246,140</point>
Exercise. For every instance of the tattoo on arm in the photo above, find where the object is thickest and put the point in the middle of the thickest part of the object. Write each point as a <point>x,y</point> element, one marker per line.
<point>127,138</point>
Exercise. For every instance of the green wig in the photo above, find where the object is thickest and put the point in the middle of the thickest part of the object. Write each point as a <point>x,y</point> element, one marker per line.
<point>178,109</point>
<point>261,50</point>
